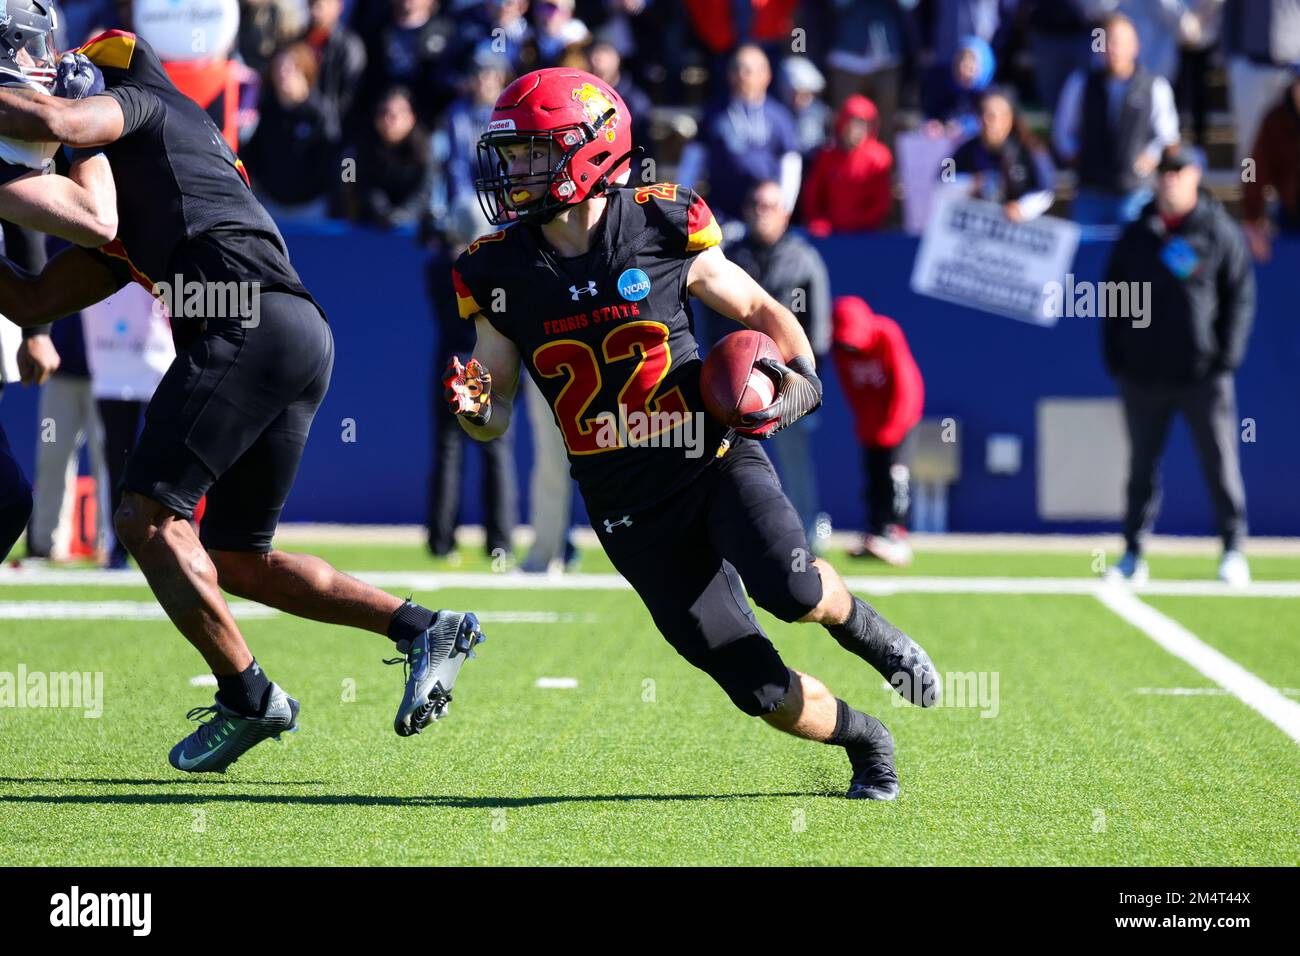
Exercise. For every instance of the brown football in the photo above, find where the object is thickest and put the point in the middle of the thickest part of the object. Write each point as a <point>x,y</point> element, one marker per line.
<point>730,384</point>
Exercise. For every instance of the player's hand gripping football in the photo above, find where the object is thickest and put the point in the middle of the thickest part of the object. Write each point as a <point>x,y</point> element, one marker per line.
<point>798,393</point>
<point>468,390</point>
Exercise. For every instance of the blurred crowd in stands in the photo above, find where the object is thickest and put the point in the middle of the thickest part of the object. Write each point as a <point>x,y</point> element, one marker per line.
<point>810,94</point>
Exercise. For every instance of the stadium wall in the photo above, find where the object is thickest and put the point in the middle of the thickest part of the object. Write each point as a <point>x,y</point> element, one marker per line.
<point>368,458</point>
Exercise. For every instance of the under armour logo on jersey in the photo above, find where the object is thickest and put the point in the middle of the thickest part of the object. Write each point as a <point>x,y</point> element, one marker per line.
<point>626,520</point>
<point>575,291</point>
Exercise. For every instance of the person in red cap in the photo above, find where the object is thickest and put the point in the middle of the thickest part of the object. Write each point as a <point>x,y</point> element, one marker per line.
<point>848,187</point>
<point>885,393</point>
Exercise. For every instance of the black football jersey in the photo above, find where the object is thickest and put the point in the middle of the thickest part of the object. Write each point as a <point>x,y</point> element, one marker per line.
<point>608,338</point>
<point>183,199</point>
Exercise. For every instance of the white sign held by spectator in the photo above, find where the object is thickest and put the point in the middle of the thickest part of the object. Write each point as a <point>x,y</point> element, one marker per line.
<point>971,254</point>
<point>920,165</point>
<point>128,344</point>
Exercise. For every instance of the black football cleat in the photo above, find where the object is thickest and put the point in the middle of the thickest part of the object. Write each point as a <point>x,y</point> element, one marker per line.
<point>874,777</point>
<point>898,658</point>
<point>227,735</point>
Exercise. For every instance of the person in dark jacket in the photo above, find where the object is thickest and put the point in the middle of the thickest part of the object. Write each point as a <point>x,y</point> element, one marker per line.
<point>1181,354</point>
<point>341,55</point>
<point>950,94</point>
<point>1277,165</point>
<point>744,140</point>
<point>292,157</point>
<point>454,144</point>
<point>1006,163</point>
<point>1111,126</point>
<point>1060,41</point>
<point>394,166</point>
<point>793,273</point>
<point>464,223</point>
<point>414,47</point>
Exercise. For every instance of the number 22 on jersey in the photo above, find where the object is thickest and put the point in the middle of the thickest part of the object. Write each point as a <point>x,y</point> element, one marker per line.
<point>645,341</point>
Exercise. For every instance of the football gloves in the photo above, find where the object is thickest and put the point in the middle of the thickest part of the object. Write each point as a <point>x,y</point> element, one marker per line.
<point>468,390</point>
<point>798,393</point>
<point>77,77</point>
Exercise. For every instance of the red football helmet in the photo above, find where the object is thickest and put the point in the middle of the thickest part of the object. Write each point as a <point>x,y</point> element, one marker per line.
<point>575,132</point>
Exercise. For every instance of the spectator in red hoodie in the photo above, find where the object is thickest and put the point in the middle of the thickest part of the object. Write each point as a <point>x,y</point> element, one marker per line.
<point>885,393</point>
<point>848,188</point>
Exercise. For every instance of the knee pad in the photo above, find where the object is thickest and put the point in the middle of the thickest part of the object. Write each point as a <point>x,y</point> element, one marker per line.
<point>751,673</point>
<point>789,595</point>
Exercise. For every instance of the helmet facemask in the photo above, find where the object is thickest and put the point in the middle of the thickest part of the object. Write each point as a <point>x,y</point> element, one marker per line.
<point>27,47</point>
<point>499,189</point>
<point>554,171</point>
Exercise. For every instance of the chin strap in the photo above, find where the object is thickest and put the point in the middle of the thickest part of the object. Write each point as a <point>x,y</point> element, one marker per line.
<point>603,185</point>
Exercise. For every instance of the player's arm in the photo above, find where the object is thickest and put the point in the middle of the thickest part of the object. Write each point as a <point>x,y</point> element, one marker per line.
<point>71,281</point>
<point>729,290</point>
<point>482,393</point>
<point>94,121</point>
<point>80,207</point>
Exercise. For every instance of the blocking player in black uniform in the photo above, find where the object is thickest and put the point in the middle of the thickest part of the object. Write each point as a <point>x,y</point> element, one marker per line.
<point>588,287</point>
<point>230,418</point>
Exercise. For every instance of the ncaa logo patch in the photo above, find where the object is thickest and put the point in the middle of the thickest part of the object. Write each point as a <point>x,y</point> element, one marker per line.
<point>633,285</point>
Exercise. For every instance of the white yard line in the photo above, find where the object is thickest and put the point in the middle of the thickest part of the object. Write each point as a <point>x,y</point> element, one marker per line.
<point>1123,600</point>
<point>150,611</point>
<point>109,610</point>
<point>1187,647</point>
<point>1184,691</point>
<point>556,683</point>
<point>962,585</point>
<point>1204,691</point>
<point>516,581</point>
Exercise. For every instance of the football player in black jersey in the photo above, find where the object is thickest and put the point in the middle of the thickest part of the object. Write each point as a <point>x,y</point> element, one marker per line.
<point>588,287</point>
<point>230,418</point>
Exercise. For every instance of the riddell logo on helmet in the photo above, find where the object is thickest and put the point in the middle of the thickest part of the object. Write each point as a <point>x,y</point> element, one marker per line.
<point>501,124</point>
<point>596,104</point>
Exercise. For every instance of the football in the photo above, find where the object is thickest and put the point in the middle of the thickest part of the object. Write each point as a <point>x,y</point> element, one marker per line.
<point>730,384</point>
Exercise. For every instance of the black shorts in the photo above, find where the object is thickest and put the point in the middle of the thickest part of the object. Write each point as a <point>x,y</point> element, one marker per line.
<point>230,419</point>
<point>688,556</point>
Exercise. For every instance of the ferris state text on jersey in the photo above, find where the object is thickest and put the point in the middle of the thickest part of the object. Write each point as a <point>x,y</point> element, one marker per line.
<point>608,338</point>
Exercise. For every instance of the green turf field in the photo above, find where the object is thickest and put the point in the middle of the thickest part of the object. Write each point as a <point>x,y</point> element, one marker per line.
<point>1081,739</point>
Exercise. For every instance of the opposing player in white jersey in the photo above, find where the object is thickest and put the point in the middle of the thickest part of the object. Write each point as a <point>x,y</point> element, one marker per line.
<point>80,207</point>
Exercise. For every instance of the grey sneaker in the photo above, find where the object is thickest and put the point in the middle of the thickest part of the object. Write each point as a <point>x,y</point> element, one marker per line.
<point>225,736</point>
<point>431,663</point>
